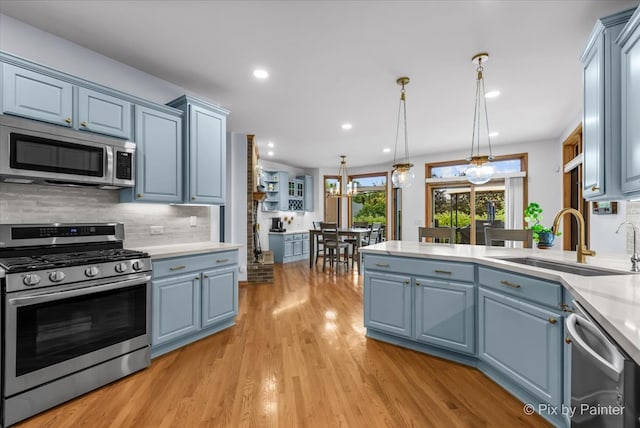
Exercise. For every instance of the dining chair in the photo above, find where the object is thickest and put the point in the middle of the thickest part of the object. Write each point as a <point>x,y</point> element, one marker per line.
<point>319,245</point>
<point>333,247</point>
<point>374,234</point>
<point>491,235</point>
<point>439,233</point>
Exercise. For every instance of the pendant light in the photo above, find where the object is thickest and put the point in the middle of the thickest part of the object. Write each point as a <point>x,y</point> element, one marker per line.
<point>480,170</point>
<point>352,187</point>
<point>402,175</point>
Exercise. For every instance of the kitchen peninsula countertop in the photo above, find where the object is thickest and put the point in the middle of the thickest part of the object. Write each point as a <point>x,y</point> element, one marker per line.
<point>289,232</point>
<point>175,250</point>
<point>612,300</point>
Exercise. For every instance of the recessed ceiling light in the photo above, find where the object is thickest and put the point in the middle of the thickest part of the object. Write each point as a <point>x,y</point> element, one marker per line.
<point>270,144</point>
<point>260,74</point>
<point>386,150</point>
<point>270,152</point>
<point>492,94</point>
<point>494,134</point>
<point>347,126</point>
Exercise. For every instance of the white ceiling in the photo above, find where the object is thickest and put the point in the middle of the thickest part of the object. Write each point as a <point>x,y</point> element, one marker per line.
<point>337,61</point>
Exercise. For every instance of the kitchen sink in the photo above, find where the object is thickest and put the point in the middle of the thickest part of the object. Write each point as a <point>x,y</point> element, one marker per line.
<point>563,267</point>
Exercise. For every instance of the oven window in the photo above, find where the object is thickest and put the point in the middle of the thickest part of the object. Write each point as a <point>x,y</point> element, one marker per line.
<point>52,332</point>
<point>41,154</point>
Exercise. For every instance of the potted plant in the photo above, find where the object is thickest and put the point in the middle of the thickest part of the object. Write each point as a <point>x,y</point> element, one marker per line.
<point>542,235</point>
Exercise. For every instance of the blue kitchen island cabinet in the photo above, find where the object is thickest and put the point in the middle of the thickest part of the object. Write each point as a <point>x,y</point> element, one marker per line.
<point>158,157</point>
<point>192,297</point>
<point>430,303</point>
<point>205,150</point>
<point>508,325</point>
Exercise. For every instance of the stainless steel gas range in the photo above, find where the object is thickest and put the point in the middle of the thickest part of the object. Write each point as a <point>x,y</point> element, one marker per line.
<point>75,313</point>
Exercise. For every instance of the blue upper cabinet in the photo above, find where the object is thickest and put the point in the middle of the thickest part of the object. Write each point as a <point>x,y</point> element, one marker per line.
<point>36,96</point>
<point>601,113</point>
<point>629,41</point>
<point>98,112</point>
<point>205,150</point>
<point>158,158</point>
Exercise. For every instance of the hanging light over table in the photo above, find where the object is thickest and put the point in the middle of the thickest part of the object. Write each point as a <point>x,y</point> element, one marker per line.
<point>480,170</point>
<point>352,187</point>
<point>402,175</point>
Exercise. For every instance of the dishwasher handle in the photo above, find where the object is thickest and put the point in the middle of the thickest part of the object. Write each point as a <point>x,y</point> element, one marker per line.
<point>613,369</point>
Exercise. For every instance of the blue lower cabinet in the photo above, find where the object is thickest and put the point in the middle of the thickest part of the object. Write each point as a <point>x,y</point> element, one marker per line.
<point>175,307</point>
<point>289,247</point>
<point>445,314</point>
<point>387,303</point>
<point>219,295</point>
<point>523,342</point>
<point>193,297</point>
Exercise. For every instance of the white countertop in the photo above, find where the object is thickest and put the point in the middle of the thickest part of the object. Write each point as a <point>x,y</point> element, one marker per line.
<point>175,250</point>
<point>289,232</point>
<point>612,300</point>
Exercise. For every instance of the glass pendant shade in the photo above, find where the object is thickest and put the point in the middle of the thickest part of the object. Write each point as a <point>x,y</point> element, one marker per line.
<point>402,176</point>
<point>479,172</point>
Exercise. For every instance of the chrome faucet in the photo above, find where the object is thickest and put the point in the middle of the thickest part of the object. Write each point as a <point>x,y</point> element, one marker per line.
<point>634,258</point>
<point>581,248</point>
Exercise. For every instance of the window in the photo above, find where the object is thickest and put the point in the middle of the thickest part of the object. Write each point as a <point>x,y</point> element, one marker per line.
<point>451,201</point>
<point>370,203</point>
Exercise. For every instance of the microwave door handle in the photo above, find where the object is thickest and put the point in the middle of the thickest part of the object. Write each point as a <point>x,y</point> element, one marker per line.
<point>109,175</point>
<point>613,369</point>
<point>48,297</point>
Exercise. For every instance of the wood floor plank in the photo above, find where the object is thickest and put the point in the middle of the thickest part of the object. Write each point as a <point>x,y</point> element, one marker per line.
<point>297,357</point>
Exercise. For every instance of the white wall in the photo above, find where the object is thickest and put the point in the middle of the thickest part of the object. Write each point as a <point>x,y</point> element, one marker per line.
<point>236,214</point>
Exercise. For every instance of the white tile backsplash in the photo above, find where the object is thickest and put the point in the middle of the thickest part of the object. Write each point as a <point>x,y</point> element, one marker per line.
<point>20,203</point>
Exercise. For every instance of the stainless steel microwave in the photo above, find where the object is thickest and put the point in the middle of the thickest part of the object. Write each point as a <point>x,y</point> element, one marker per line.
<point>40,153</point>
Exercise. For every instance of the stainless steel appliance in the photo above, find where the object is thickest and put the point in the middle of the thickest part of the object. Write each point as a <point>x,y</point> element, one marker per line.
<point>605,383</point>
<point>76,313</point>
<point>36,152</point>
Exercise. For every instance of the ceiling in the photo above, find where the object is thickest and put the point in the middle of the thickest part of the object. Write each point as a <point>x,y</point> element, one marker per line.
<point>332,62</point>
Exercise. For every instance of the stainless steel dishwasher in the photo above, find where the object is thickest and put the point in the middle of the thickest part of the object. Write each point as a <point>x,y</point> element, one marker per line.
<point>605,383</point>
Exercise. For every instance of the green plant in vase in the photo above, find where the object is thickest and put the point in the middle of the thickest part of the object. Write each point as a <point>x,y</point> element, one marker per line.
<point>542,235</point>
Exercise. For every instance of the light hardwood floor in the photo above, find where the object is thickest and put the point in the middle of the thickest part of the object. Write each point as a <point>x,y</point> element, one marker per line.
<point>297,357</point>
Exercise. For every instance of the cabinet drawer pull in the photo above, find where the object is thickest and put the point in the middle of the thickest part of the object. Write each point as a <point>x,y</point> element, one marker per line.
<point>177,267</point>
<point>567,340</point>
<point>83,124</point>
<point>382,264</point>
<point>206,276</point>
<point>222,260</point>
<point>509,284</point>
<point>406,283</point>
<point>139,195</point>
<point>197,278</point>
<point>552,320</point>
<point>68,120</point>
<point>443,272</point>
<point>417,284</point>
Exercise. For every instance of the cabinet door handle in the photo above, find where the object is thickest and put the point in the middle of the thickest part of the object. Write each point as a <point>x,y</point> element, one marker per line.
<point>443,272</point>
<point>417,284</point>
<point>139,195</point>
<point>552,320</point>
<point>406,282</point>
<point>567,340</point>
<point>177,267</point>
<point>206,276</point>
<point>595,188</point>
<point>382,264</point>
<point>510,284</point>
<point>197,278</point>
<point>83,124</point>
<point>222,260</point>
<point>193,198</point>
<point>566,308</point>
<point>68,120</point>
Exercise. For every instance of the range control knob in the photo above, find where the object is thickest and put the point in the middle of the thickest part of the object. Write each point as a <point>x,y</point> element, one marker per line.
<point>91,271</point>
<point>31,279</point>
<point>121,267</point>
<point>137,265</point>
<point>56,276</point>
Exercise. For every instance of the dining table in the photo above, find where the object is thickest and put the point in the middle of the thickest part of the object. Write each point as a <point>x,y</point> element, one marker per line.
<point>359,233</point>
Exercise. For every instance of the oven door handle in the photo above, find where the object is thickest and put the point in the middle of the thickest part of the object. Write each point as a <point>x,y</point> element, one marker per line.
<point>48,297</point>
